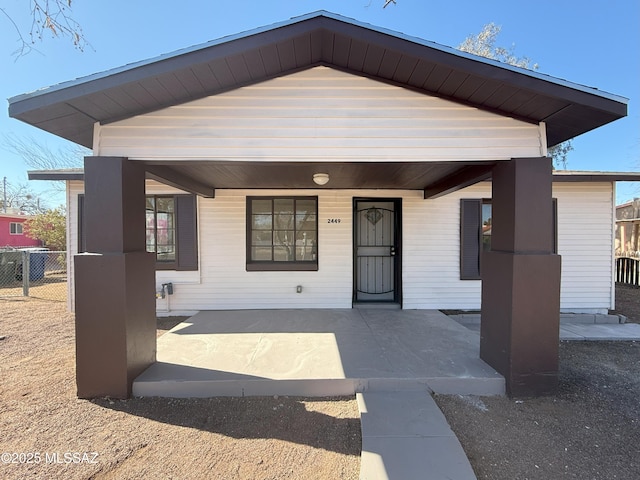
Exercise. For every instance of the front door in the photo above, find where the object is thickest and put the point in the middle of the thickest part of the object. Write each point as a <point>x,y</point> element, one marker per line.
<point>376,250</point>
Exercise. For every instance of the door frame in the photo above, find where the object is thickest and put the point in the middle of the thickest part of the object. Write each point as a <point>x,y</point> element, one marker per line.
<point>397,267</point>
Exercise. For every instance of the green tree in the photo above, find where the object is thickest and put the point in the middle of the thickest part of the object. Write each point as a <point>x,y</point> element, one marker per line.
<point>484,44</point>
<point>50,227</point>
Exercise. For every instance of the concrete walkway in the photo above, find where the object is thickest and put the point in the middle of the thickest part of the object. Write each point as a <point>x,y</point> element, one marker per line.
<point>406,436</point>
<point>610,332</point>
<point>392,360</point>
<point>577,327</point>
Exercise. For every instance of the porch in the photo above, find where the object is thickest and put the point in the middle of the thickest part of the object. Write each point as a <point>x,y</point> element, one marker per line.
<point>317,353</point>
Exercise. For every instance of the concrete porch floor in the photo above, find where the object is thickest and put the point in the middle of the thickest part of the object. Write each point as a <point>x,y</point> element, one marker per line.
<point>317,353</point>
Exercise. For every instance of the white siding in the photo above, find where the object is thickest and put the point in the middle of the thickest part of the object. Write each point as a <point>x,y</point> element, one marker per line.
<point>321,114</point>
<point>585,241</point>
<point>75,188</point>
<point>430,252</point>
<point>431,267</point>
<point>227,285</point>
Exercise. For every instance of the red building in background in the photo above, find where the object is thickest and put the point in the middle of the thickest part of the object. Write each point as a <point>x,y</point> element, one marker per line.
<point>13,231</point>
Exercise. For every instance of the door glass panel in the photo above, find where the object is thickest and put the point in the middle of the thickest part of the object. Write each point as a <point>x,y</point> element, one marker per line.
<point>283,221</point>
<point>283,205</point>
<point>261,206</point>
<point>486,227</point>
<point>261,253</point>
<point>261,222</point>
<point>261,238</point>
<point>306,246</point>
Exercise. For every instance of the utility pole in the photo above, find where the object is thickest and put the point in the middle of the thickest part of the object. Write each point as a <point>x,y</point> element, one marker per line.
<point>4,199</point>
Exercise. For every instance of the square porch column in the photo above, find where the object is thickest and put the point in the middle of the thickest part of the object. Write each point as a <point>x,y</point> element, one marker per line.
<point>519,332</point>
<point>115,282</point>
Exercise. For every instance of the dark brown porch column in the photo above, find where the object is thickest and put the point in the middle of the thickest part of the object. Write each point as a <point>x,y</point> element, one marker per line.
<point>521,280</point>
<point>115,283</point>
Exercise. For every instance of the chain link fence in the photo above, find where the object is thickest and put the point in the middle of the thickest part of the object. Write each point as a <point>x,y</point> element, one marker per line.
<point>33,272</point>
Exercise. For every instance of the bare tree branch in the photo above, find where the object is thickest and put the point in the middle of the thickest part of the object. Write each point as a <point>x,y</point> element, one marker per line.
<point>52,16</point>
<point>484,45</point>
<point>38,156</point>
<point>22,199</point>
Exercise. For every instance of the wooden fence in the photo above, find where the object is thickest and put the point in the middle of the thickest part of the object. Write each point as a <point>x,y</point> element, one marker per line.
<point>628,271</point>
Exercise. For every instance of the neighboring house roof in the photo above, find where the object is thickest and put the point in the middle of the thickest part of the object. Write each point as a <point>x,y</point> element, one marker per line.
<point>70,109</point>
<point>15,216</point>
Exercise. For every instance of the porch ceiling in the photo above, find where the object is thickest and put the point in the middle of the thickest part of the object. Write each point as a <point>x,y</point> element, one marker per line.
<point>428,176</point>
<point>71,109</point>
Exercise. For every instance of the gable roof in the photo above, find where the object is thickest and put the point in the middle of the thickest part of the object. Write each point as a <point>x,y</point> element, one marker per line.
<point>70,109</point>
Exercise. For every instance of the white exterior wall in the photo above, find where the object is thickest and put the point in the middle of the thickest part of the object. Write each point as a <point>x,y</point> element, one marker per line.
<point>430,252</point>
<point>74,188</point>
<point>431,270</point>
<point>321,114</point>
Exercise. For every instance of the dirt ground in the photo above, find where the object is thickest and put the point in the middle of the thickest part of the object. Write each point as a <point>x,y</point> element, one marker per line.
<point>590,430</point>
<point>47,433</point>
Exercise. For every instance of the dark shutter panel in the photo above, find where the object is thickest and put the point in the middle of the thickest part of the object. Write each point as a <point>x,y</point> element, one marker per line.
<point>187,232</point>
<point>82,232</point>
<point>555,225</point>
<point>470,238</point>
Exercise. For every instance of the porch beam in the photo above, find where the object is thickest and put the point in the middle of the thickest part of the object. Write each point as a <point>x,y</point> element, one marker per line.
<point>114,283</point>
<point>520,318</point>
<point>170,176</point>
<point>466,176</point>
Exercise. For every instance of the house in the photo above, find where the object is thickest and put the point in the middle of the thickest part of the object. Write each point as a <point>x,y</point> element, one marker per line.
<point>12,231</point>
<point>627,242</point>
<point>582,200</point>
<point>326,163</point>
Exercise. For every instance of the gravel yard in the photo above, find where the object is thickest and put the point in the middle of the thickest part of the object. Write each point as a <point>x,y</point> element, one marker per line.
<point>220,438</point>
<point>590,430</point>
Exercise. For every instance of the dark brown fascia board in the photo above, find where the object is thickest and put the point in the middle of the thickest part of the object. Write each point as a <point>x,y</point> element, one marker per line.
<point>484,67</point>
<point>558,176</point>
<point>160,173</point>
<point>169,176</point>
<point>465,177</point>
<point>56,175</point>
<point>145,69</point>
<point>585,176</point>
<point>226,46</point>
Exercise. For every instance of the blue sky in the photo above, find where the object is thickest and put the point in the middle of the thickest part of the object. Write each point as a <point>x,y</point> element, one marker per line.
<point>590,42</point>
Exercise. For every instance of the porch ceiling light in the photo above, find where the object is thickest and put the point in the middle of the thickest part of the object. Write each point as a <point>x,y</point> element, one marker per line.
<point>321,178</point>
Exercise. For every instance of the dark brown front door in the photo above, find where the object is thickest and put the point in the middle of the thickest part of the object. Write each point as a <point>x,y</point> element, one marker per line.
<point>376,250</point>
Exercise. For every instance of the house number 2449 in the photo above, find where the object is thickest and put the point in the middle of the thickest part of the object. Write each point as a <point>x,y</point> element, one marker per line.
<point>333,220</point>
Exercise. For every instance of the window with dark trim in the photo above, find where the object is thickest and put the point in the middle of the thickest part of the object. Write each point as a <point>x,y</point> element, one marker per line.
<point>171,230</point>
<point>15,228</point>
<point>161,229</point>
<point>475,234</point>
<point>282,233</point>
